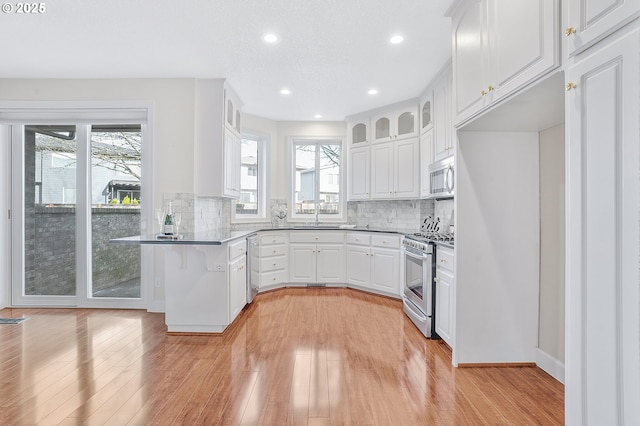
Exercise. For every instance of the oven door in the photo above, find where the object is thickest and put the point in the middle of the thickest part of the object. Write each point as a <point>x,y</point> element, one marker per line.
<point>417,279</point>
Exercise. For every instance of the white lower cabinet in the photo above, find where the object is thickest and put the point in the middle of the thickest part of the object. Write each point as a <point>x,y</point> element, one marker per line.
<point>316,257</point>
<point>373,262</point>
<point>444,280</point>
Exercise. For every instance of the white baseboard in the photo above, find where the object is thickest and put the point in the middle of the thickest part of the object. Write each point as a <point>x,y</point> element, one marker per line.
<point>551,365</point>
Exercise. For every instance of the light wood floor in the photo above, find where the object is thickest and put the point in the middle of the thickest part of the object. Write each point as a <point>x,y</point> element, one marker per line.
<point>294,356</point>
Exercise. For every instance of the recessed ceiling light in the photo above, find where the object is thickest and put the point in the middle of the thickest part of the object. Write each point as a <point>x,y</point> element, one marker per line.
<point>396,39</point>
<point>285,92</point>
<point>317,116</point>
<point>373,91</point>
<point>270,38</point>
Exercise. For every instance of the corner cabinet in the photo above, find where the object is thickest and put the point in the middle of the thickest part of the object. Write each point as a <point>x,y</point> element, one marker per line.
<point>217,140</point>
<point>589,21</point>
<point>500,47</point>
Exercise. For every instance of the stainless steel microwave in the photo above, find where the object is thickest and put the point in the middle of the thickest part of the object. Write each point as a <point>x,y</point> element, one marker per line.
<point>442,178</point>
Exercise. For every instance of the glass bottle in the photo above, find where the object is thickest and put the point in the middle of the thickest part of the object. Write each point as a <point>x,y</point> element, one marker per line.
<point>169,222</point>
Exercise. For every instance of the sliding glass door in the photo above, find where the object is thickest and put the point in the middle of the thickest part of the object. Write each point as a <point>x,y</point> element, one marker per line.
<point>80,186</point>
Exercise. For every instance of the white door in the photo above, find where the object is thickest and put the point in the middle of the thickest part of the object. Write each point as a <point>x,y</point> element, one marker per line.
<point>76,187</point>
<point>407,168</point>
<point>523,42</point>
<point>359,173</point>
<point>358,265</point>
<point>330,263</point>
<point>385,270</point>
<point>382,171</point>
<point>603,234</point>
<point>5,221</point>
<point>592,19</point>
<point>302,263</point>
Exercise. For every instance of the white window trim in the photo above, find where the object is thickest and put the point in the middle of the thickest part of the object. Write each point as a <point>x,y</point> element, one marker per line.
<point>304,218</point>
<point>263,214</point>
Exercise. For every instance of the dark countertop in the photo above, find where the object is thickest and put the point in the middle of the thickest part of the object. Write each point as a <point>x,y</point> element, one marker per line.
<point>222,236</point>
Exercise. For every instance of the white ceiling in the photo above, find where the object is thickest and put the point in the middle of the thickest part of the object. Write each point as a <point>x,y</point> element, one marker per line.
<point>330,54</point>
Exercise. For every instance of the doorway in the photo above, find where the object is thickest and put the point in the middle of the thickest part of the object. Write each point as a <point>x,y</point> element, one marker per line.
<point>76,186</point>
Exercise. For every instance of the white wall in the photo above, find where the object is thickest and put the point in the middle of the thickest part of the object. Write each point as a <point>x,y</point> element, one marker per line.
<point>497,248</point>
<point>552,243</point>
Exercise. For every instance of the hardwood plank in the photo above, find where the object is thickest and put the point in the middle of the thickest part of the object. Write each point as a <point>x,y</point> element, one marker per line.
<point>313,356</point>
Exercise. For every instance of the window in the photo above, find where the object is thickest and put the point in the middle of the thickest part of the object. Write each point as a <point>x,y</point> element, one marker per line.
<point>321,196</point>
<point>251,204</point>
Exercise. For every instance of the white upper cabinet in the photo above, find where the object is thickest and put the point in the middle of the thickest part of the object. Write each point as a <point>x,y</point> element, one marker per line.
<point>395,170</point>
<point>359,173</point>
<point>395,124</point>
<point>359,130</point>
<point>217,140</point>
<point>442,120</point>
<point>588,21</point>
<point>426,158</point>
<point>500,47</point>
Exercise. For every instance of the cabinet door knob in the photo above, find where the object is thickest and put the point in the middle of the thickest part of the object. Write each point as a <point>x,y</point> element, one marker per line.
<point>570,86</point>
<point>436,280</point>
<point>490,88</point>
<point>569,31</point>
<point>483,93</point>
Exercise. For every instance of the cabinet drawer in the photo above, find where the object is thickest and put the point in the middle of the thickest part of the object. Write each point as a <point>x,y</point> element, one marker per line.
<point>358,238</point>
<point>270,238</point>
<point>273,250</point>
<point>444,258</point>
<point>316,237</point>
<point>390,241</point>
<point>273,263</point>
<point>238,248</point>
<point>272,278</point>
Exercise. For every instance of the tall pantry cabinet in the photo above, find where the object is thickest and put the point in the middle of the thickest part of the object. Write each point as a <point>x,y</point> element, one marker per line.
<point>602,373</point>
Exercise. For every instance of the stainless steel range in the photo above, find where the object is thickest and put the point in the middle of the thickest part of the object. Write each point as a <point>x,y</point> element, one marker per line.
<point>419,295</point>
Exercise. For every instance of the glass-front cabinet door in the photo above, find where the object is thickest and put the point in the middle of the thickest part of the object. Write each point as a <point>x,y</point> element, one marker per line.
<point>406,124</point>
<point>359,131</point>
<point>382,129</point>
<point>426,112</point>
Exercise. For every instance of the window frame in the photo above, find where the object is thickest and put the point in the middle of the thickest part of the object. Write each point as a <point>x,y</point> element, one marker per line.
<point>317,141</point>
<point>262,176</point>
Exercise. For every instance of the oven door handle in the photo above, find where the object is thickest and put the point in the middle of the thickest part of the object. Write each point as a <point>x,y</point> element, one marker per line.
<point>415,311</point>
<point>416,256</point>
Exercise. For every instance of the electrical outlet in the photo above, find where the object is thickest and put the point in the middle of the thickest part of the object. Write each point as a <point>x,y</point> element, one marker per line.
<point>218,267</point>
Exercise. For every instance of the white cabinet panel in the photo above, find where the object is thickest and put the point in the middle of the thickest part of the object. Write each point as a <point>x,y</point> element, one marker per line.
<point>385,270</point>
<point>302,263</point>
<point>426,158</point>
<point>382,171</point>
<point>407,168</point>
<point>358,265</point>
<point>603,217</point>
<point>443,128</point>
<point>330,263</point>
<point>237,287</point>
<point>359,173</point>
<point>590,20</point>
<point>444,286</point>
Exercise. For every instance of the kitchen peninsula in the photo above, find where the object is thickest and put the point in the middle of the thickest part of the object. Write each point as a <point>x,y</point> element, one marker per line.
<point>205,278</point>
